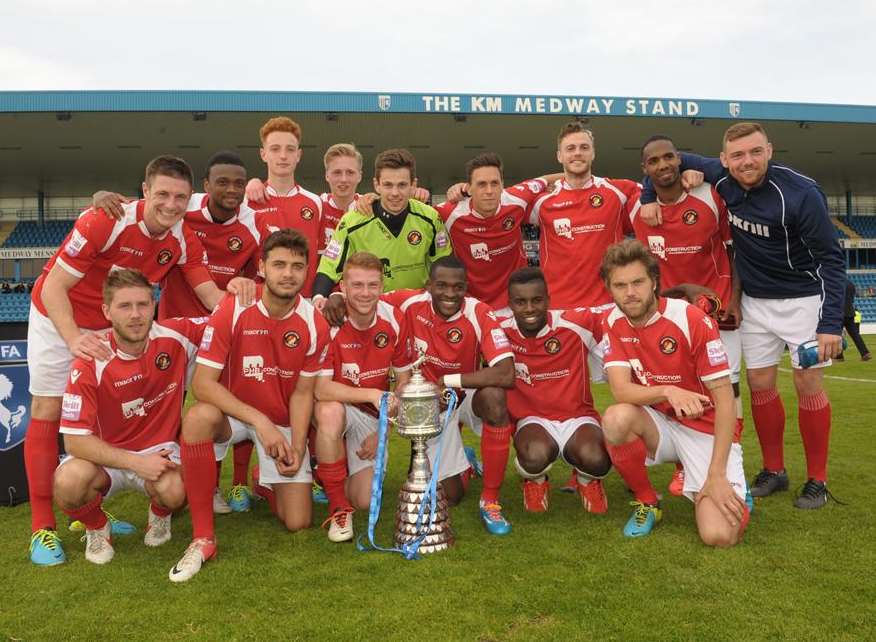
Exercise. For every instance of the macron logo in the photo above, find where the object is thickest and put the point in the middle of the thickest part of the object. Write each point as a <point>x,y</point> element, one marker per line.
<point>74,375</point>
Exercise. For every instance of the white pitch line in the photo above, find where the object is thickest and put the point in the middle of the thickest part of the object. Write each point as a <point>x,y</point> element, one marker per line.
<point>835,377</point>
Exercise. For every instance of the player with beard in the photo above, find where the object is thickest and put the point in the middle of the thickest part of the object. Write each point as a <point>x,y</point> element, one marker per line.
<point>372,341</point>
<point>670,378</point>
<point>255,372</point>
<point>457,334</point>
<point>692,245</point>
<point>551,401</point>
<point>121,416</point>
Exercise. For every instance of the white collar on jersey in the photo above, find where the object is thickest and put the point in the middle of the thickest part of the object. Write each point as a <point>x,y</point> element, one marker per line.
<point>264,310</point>
<point>331,201</point>
<point>683,196</point>
<point>590,183</point>
<point>271,191</point>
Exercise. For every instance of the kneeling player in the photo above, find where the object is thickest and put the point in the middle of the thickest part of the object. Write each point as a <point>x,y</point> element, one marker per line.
<point>255,372</point>
<point>373,338</point>
<point>551,399</point>
<point>669,373</point>
<point>121,416</point>
<point>456,333</point>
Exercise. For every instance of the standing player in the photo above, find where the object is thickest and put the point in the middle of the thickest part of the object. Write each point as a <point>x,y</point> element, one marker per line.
<point>287,204</point>
<point>669,375</point>
<point>255,374</point>
<point>551,402</point>
<point>579,219</point>
<point>121,415</point>
<point>691,245</point>
<point>484,219</point>
<point>456,333</point>
<point>65,309</point>
<point>791,272</point>
<point>407,235</point>
<point>373,340</point>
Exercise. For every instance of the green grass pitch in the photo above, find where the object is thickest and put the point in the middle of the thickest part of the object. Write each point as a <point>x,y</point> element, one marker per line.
<point>564,575</point>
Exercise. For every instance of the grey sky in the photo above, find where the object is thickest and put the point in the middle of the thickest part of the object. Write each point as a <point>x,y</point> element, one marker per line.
<point>745,50</point>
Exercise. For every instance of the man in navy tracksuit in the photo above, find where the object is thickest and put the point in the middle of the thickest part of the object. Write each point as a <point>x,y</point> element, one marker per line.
<point>791,273</point>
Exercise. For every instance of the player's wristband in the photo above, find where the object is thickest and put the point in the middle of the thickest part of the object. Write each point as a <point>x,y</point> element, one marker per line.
<point>452,380</point>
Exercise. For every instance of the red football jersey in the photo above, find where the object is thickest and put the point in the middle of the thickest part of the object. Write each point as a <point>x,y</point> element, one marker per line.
<point>455,345</point>
<point>553,378</point>
<point>129,402</point>
<point>331,216</point>
<point>297,209</point>
<point>261,358</point>
<point>577,225</point>
<point>230,246</point>
<point>691,243</point>
<point>98,244</point>
<point>679,346</point>
<point>491,248</point>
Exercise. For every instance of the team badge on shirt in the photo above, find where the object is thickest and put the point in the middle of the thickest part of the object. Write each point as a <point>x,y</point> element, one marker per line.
<point>291,339</point>
<point>552,345</point>
<point>306,213</point>
<point>381,340</point>
<point>235,244</point>
<point>668,345</point>
<point>507,223</point>
<point>164,257</point>
<point>690,217</point>
<point>596,200</point>
<point>414,237</point>
<point>162,361</point>
<point>454,335</point>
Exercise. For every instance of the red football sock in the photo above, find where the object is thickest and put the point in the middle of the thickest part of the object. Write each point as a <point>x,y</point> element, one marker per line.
<point>91,514</point>
<point>814,422</point>
<point>768,414</point>
<point>218,472</point>
<point>161,511</point>
<point>242,455</point>
<point>333,476</point>
<point>629,459</point>
<point>199,468</point>
<point>495,444</point>
<point>40,460</point>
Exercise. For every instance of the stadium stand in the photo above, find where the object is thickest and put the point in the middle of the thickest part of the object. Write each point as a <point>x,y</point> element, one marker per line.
<point>14,307</point>
<point>865,226</point>
<point>34,234</point>
<point>865,298</point>
<point>843,231</point>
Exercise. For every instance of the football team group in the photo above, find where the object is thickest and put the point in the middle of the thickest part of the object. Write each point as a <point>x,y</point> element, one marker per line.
<point>287,316</point>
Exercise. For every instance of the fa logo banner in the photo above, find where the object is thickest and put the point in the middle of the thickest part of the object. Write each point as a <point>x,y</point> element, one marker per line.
<point>735,109</point>
<point>14,403</point>
<point>384,102</point>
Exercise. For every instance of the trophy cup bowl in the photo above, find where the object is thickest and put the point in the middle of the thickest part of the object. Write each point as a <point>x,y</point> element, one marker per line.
<point>419,419</point>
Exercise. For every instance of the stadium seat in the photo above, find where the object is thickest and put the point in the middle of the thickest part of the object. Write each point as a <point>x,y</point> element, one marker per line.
<point>34,234</point>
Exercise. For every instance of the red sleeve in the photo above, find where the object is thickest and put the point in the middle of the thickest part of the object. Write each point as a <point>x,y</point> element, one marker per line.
<point>707,349</point>
<point>528,190</point>
<point>82,246</point>
<point>632,190</point>
<point>613,352</point>
<point>331,365</point>
<point>79,405</point>
<point>191,328</point>
<point>445,209</point>
<point>403,356</point>
<point>216,339</point>
<point>193,259</point>
<point>587,319</point>
<point>723,218</point>
<point>495,345</point>
<point>398,297</point>
<point>315,361</point>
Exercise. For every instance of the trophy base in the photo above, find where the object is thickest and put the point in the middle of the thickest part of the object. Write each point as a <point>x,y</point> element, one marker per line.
<point>439,536</point>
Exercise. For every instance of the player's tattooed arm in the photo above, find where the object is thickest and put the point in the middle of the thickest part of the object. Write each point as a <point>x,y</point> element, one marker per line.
<point>716,486</point>
<point>111,203</point>
<point>499,375</point>
<point>56,299</point>
<point>94,449</point>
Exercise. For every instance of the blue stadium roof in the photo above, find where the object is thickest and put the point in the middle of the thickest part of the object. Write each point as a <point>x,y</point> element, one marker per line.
<point>278,101</point>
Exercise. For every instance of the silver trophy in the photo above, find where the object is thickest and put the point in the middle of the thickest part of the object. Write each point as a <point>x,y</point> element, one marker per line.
<point>419,419</point>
